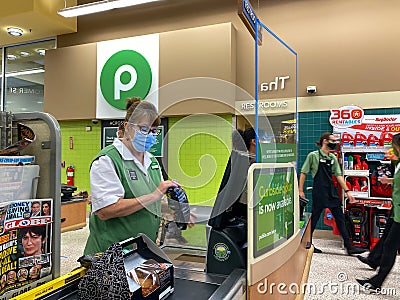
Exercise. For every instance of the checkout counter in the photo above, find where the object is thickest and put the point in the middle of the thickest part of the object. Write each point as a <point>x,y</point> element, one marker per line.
<point>73,209</point>
<point>254,239</point>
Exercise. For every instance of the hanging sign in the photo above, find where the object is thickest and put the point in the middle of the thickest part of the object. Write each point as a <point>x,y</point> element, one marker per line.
<point>249,18</point>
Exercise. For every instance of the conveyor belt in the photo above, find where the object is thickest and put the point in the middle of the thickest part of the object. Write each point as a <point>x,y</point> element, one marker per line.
<point>184,289</point>
<point>193,290</point>
<point>190,282</point>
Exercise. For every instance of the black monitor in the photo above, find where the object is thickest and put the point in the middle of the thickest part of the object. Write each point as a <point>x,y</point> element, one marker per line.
<point>232,191</point>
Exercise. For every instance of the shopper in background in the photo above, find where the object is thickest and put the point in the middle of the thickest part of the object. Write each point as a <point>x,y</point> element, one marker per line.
<point>244,141</point>
<point>126,182</point>
<point>322,165</point>
<point>374,257</point>
<point>392,242</point>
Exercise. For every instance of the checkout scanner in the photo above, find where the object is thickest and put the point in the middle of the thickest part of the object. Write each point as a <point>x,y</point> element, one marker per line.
<point>227,227</point>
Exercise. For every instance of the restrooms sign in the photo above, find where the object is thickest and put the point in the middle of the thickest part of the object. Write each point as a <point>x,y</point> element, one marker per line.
<point>126,68</point>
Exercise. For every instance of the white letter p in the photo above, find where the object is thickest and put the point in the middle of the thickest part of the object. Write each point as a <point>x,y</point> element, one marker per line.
<point>118,85</point>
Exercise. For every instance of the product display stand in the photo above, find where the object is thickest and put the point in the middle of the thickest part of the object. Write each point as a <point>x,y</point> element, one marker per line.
<point>366,219</point>
<point>47,150</point>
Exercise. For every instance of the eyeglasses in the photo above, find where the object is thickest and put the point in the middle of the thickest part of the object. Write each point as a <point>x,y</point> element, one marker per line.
<point>147,130</point>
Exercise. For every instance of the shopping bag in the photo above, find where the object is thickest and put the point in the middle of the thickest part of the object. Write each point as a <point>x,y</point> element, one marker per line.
<point>106,278</point>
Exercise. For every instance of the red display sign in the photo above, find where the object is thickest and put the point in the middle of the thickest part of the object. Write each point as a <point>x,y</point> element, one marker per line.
<point>362,131</point>
<point>346,116</point>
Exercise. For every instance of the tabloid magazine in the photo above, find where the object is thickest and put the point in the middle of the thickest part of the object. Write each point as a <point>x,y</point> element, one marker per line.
<point>25,242</point>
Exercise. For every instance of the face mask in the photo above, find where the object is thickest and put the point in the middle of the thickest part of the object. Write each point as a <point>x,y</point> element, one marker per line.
<point>143,142</point>
<point>332,146</point>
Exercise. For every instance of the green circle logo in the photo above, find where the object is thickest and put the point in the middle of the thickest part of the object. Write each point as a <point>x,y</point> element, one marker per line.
<point>125,74</point>
<point>221,251</point>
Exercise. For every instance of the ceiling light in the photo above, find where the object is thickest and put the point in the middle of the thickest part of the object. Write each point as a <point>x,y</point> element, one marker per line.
<point>14,31</point>
<point>11,57</point>
<point>24,54</point>
<point>41,51</point>
<point>98,6</point>
<point>24,72</point>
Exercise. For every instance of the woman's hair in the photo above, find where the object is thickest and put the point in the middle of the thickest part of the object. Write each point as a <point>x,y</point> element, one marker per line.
<point>324,136</point>
<point>137,109</point>
<point>38,230</point>
<point>396,139</point>
<point>237,140</point>
<point>245,136</point>
<point>48,203</point>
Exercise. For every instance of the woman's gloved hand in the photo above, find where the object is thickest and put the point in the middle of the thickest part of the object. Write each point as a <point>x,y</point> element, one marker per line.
<point>179,203</point>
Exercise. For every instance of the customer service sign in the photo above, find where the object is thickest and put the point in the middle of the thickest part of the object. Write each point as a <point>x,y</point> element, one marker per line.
<point>126,68</point>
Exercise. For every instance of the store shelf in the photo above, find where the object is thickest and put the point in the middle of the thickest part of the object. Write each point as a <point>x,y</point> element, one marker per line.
<point>356,173</point>
<point>381,203</point>
<point>359,194</point>
<point>365,149</point>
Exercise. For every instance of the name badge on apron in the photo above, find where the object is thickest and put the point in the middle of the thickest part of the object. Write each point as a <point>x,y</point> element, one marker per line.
<point>132,174</point>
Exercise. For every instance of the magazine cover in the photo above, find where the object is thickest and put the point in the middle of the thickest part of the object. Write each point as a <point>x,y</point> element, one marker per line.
<point>18,182</point>
<point>25,242</point>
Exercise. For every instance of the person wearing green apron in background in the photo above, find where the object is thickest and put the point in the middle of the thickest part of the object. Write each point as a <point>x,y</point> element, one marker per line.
<point>392,241</point>
<point>126,183</point>
<point>374,257</point>
<point>322,164</point>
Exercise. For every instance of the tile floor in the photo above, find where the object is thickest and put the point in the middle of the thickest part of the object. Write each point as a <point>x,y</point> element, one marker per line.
<point>337,271</point>
<point>332,274</point>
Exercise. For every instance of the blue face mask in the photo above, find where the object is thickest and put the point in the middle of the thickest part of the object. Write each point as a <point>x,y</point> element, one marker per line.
<point>143,142</point>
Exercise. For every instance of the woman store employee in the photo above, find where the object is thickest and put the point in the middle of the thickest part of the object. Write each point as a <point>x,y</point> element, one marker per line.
<point>125,182</point>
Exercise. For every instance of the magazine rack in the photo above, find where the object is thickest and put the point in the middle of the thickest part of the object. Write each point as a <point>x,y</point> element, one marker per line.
<point>46,149</point>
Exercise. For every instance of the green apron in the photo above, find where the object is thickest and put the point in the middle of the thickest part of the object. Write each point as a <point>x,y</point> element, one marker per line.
<point>396,197</point>
<point>147,220</point>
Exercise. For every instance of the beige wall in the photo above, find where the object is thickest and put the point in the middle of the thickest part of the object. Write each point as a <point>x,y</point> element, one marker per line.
<point>207,51</point>
<point>344,47</point>
<point>70,87</point>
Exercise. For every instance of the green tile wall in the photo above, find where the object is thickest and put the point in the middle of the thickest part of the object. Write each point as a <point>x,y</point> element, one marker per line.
<point>86,146</point>
<point>311,126</point>
<point>198,150</point>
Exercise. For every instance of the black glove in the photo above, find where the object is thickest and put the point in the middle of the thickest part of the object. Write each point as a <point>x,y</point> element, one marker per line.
<point>178,202</point>
<point>303,201</point>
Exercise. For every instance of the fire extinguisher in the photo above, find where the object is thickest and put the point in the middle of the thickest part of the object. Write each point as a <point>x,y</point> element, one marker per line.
<point>70,175</point>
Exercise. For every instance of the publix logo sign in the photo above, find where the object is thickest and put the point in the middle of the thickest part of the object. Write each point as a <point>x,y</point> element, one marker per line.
<point>126,68</point>
<point>125,73</point>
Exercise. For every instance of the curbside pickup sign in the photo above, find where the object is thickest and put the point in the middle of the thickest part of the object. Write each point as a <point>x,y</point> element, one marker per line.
<point>126,68</point>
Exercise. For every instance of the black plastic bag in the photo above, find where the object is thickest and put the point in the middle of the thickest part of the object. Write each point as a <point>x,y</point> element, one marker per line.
<point>106,278</point>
